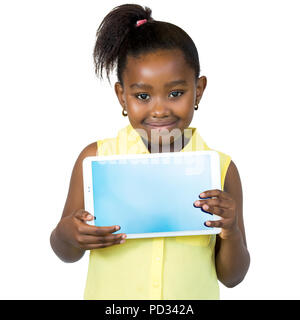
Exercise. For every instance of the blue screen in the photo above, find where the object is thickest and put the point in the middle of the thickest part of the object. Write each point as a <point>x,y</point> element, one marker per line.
<point>151,195</point>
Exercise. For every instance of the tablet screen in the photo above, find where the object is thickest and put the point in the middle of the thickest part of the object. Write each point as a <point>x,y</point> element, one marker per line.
<point>154,194</point>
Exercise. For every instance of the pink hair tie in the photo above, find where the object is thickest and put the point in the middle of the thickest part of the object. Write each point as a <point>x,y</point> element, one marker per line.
<point>140,22</point>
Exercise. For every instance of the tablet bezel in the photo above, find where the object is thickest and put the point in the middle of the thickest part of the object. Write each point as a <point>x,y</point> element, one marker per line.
<point>88,187</point>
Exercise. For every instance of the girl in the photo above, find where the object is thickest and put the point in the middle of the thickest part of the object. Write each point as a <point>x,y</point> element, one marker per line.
<point>158,88</point>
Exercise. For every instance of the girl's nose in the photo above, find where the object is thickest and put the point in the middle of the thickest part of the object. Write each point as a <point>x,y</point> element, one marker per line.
<point>160,110</point>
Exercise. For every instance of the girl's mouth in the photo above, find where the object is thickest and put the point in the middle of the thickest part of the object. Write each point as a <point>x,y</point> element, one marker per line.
<point>161,124</point>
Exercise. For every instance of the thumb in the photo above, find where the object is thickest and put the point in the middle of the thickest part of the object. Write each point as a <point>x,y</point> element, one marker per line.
<point>83,215</point>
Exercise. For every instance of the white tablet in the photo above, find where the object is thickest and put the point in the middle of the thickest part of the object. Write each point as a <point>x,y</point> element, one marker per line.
<point>151,195</point>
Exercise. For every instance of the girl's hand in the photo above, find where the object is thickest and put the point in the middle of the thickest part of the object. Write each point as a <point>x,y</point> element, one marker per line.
<point>73,230</point>
<point>223,205</point>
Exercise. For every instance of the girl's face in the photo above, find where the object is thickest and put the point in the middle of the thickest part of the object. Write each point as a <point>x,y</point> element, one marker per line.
<point>159,92</point>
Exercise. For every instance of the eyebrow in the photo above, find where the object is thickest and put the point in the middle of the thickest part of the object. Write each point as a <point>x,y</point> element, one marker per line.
<point>141,85</point>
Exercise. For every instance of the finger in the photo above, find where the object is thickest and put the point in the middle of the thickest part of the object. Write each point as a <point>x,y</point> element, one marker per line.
<point>215,210</point>
<point>83,215</point>
<point>214,224</point>
<point>87,239</point>
<point>222,223</point>
<point>113,238</point>
<point>214,193</point>
<point>97,231</point>
<point>197,204</point>
<point>222,203</point>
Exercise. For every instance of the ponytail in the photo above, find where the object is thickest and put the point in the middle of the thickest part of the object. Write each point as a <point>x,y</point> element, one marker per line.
<point>119,35</point>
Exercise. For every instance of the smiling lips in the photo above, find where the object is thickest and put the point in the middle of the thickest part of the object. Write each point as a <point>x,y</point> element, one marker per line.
<point>161,124</point>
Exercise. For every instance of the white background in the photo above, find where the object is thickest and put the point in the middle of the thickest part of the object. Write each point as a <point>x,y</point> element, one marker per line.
<point>52,106</point>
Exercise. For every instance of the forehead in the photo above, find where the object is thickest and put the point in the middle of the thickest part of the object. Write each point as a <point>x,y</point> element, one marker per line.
<point>158,66</point>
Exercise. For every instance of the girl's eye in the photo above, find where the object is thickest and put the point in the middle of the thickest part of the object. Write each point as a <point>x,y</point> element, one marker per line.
<point>143,96</point>
<point>176,94</point>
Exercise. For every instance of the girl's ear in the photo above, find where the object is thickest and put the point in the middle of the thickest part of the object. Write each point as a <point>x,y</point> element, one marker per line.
<point>120,94</point>
<point>200,87</point>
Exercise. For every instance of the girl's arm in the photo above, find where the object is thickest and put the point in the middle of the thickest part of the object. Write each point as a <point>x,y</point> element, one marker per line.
<point>231,253</point>
<point>72,215</point>
<point>72,236</point>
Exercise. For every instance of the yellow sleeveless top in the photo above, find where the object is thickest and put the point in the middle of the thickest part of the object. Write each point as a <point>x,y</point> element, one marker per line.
<point>166,268</point>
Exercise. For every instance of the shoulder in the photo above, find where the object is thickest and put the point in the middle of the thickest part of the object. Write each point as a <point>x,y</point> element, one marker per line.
<point>89,151</point>
<point>232,179</point>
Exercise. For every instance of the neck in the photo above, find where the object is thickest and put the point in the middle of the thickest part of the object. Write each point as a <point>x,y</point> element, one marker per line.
<point>174,147</point>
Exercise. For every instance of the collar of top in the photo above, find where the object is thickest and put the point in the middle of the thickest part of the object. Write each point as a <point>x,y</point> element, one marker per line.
<point>130,141</point>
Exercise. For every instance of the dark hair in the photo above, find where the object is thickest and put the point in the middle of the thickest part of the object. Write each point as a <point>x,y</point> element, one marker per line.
<point>118,36</point>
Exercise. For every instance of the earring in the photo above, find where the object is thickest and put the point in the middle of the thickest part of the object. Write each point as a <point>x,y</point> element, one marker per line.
<point>123,113</point>
<point>196,108</point>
